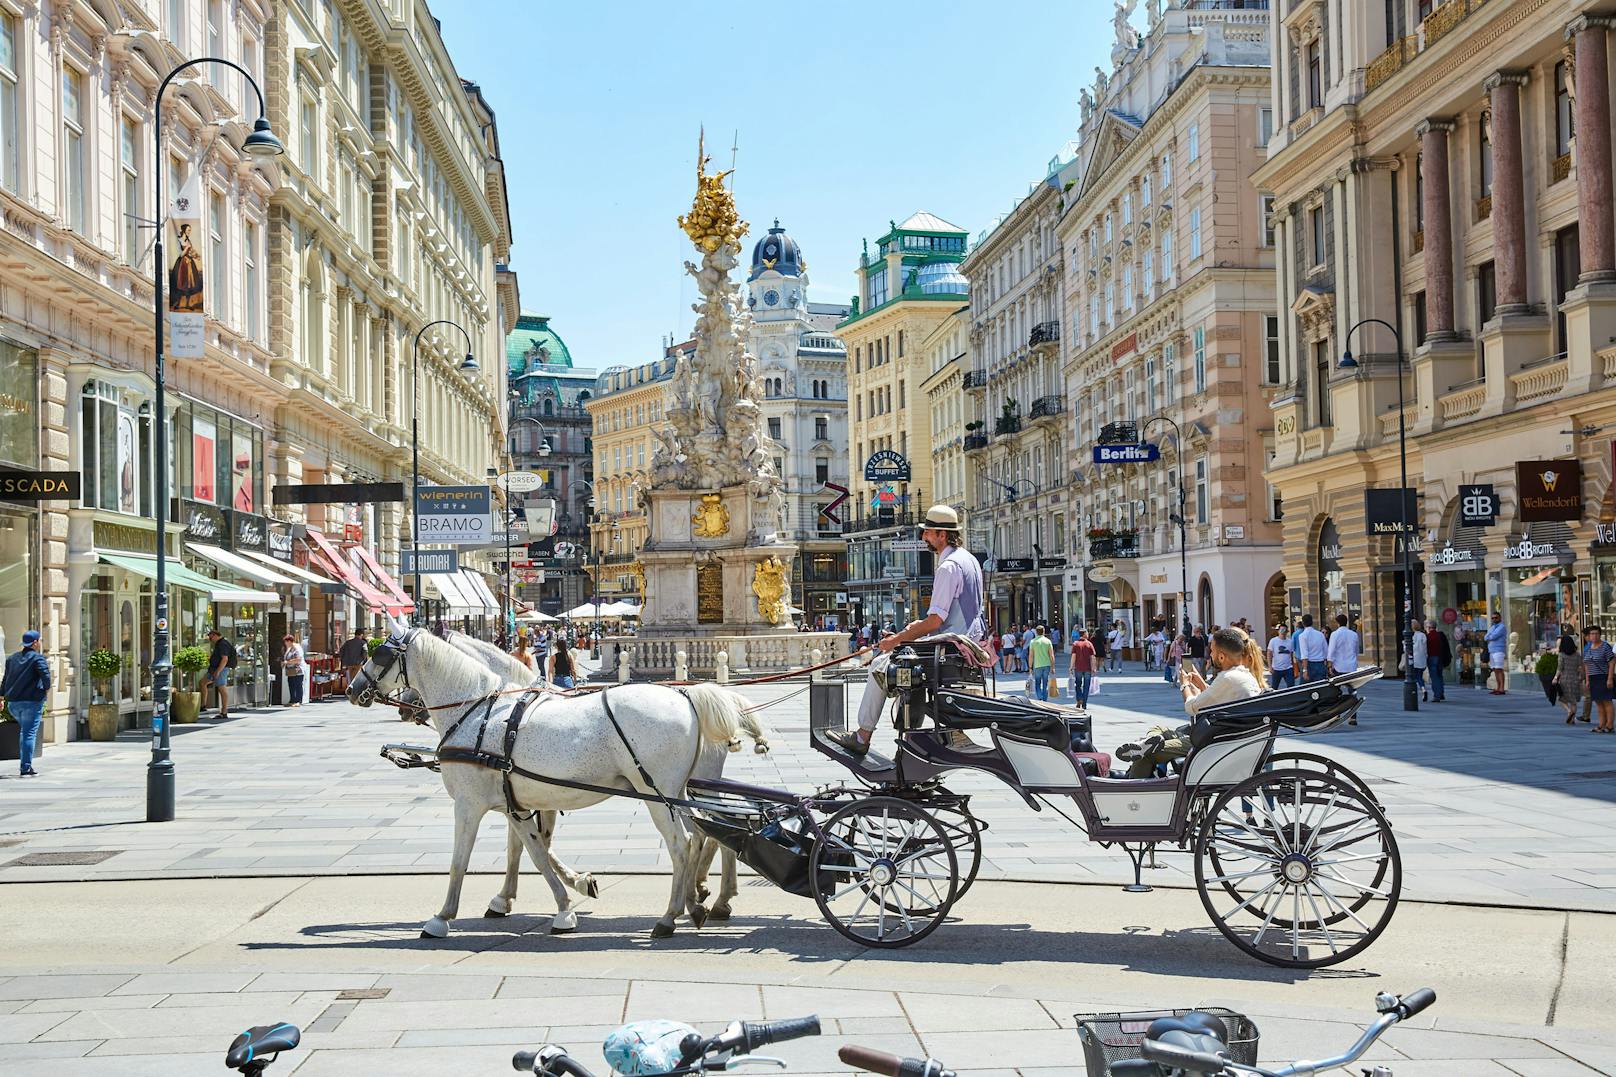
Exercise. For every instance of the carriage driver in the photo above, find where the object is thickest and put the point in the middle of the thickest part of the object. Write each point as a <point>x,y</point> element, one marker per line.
<point>956,607</point>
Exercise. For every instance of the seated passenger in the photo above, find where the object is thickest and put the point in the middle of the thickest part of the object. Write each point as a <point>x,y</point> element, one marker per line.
<point>1241,675</point>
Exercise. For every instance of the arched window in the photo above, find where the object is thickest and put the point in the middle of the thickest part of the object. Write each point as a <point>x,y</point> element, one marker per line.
<point>548,408</point>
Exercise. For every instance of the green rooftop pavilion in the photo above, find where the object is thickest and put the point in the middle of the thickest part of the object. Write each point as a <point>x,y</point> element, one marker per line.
<point>916,260</point>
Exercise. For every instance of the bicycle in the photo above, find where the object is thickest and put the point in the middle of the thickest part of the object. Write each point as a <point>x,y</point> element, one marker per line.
<point>1188,1045</point>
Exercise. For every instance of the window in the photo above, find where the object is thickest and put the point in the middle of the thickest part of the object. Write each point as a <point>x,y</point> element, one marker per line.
<point>1195,233</point>
<point>10,132</point>
<point>1567,268</point>
<point>73,148</point>
<point>216,72</point>
<point>1419,318</point>
<point>821,469</point>
<point>1265,207</point>
<point>821,428</point>
<point>1108,228</point>
<point>1193,145</point>
<point>1271,332</point>
<point>900,344</point>
<point>1419,193</point>
<point>1564,120</point>
<point>1094,313</point>
<point>1315,74</point>
<point>176,24</point>
<point>1199,337</point>
<point>1148,273</point>
<point>1167,253</point>
<point>1127,287</point>
<point>1484,169</point>
<point>1486,293</point>
<point>1321,367</point>
<point>1110,304</point>
<point>309,136</point>
<point>1151,401</point>
<point>1167,174</point>
<point>114,445</point>
<point>1127,210</point>
<point>129,188</point>
<point>1144,191</point>
<point>1169,371</point>
<point>1265,126</point>
<point>1203,508</point>
<point>774,429</point>
<point>217,286</point>
<point>1315,224</point>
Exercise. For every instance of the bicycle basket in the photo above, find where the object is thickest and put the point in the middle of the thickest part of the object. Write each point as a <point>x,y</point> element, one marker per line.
<point>1115,1037</point>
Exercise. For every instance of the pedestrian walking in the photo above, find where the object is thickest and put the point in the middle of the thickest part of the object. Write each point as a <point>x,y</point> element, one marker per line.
<point>561,671</point>
<point>1177,653</point>
<point>293,665</point>
<point>1041,654</point>
<point>1113,646</point>
<point>1312,651</point>
<point>1101,649</point>
<point>1596,659</point>
<point>1025,650</point>
<point>1569,675</point>
<point>1197,644</point>
<point>1082,667</point>
<point>352,655</point>
<point>522,654</point>
<point>1439,654</point>
<point>1007,648</point>
<point>1155,648</point>
<point>1498,655</point>
<point>1419,656</point>
<point>222,660</point>
<point>23,692</point>
<point>1281,659</point>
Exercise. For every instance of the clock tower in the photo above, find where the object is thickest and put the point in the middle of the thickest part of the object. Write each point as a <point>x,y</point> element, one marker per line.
<point>778,281</point>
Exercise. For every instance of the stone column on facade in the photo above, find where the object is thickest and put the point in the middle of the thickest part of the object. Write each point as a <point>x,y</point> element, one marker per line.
<point>1438,213</point>
<point>1596,214</point>
<point>1508,191</point>
<point>56,592</point>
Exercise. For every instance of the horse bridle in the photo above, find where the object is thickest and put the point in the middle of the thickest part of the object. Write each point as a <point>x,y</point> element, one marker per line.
<point>388,652</point>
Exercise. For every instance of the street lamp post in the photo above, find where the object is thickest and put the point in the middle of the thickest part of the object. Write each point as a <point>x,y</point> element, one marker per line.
<point>1183,524</point>
<point>468,364</point>
<point>261,143</point>
<point>1010,492</point>
<point>589,508</point>
<point>1411,595</point>
<point>508,613</point>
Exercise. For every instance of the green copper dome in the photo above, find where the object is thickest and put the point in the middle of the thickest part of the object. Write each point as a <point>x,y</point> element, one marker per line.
<point>533,345</point>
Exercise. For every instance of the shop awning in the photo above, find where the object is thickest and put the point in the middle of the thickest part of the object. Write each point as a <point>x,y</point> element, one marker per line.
<point>479,586</point>
<point>238,564</point>
<point>180,576</point>
<point>330,560</point>
<point>1539,577</point>
<point>400,603</point>
<point>449,587</point>
<point>298,575</point>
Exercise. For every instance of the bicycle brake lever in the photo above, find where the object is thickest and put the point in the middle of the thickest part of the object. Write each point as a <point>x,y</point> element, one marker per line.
<point>762,1060</point>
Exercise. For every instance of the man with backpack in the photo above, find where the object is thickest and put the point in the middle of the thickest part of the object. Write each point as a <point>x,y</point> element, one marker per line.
<point>222,662</point>
<point>24,690</point>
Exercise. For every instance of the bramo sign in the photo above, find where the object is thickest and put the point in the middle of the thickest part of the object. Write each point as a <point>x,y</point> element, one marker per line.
<point>454,515</point>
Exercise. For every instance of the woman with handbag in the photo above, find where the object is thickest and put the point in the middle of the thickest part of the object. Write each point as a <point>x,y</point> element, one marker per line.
<point>1421,656</point>
<point>292,665</point>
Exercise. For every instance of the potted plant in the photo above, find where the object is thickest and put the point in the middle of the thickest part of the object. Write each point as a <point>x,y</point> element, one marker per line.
<point>10,734</point>
<point>102,666</point>
<point>1548,664</point>
<point>187,703</point>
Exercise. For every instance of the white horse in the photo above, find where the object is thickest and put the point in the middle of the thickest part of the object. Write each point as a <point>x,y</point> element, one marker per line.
<point>572,739</point>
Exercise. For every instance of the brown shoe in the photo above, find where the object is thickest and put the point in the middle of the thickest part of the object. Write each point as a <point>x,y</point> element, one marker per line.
<point>849,742</point>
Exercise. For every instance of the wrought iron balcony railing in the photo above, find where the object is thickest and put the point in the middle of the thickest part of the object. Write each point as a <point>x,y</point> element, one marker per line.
<point>1045,333</point>
<point>1047,406</point>
<point>975,441</point>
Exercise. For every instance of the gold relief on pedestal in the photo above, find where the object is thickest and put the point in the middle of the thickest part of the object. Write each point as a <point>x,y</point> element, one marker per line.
<point>637,570</point>
<point>710,593</point>
<point>771,587</point>
<point>712,518</point>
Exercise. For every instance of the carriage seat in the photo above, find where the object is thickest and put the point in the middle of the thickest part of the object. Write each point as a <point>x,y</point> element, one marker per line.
<point>963,710</point>
<point>1313,706</point>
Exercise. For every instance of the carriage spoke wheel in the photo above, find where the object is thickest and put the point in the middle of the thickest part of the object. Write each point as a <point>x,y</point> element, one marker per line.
<point>1298,868</point>
<point>884,872</point>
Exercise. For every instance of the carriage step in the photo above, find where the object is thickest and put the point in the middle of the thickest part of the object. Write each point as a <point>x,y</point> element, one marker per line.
<point>410,756</point>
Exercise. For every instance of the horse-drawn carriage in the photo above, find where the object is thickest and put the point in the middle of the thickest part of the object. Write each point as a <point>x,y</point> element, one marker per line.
<point>1295,861</point>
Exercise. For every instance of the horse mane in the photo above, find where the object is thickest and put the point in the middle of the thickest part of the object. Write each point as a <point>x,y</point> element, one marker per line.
<point>497,660</point>
<point>451,671</point>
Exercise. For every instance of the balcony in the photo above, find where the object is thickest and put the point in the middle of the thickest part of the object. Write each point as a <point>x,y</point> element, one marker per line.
<point>1116,545</point>
<point>1045,334</point>
<point>1047,407</point>
<point>1441,22</point>
<point>975,379</point>
<point>1007,424</point>
<point>973,442</point>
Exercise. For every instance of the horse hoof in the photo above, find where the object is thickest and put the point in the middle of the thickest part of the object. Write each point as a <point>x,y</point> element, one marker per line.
<point>494,914</point>
<point>435,928</point>
<point>593,887</point>
<point>698,915</point>
<point>760,748</point>
<point>564,923</point>
<point>561,930</point>
<point>702,893</point>
<point>719,913</point>
<point>499,905</point>
<point>662,931</point>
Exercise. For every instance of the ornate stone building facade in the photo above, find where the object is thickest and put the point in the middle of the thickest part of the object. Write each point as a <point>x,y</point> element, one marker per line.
<point>1446,169</point>
<point>308,314</point>
<point>1169,289</point>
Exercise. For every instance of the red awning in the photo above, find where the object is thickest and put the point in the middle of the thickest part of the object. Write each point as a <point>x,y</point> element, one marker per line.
<point>333,564</point>
<point>401,603</point>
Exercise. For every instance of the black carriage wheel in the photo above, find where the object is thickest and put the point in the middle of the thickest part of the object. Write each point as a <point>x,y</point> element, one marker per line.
<point>1315,880</point>
<point>883,872</point>
<point>1231,871</point>
<point>965,834</point>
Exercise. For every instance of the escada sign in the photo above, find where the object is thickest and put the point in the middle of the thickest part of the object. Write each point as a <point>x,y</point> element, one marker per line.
<point>35,486</point>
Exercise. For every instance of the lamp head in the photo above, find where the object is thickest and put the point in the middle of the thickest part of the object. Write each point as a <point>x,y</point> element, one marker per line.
<point>544,447</point>
<point>1347,361</point>
<point>262,142</point>
<point>469,363</point>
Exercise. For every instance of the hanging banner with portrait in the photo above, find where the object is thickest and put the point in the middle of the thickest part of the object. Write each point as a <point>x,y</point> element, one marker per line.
<point>186,273</point>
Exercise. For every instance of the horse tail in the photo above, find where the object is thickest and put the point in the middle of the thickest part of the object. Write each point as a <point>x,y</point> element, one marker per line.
<point>720,714</point>
<point>756,730</point>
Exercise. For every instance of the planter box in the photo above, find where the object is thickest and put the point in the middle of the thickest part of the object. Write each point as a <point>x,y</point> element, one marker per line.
<point>186,707</point>
<point>10,740</point>
<point>103,721</point>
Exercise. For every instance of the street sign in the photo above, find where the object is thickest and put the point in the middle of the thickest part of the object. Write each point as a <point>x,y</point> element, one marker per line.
<point>908,546</point>
<point>457,515</point>
<point>521,482</point>
<point>1102,572</point>
<point>1127,454</point>
<point>433,562</point>
<point>339,493</point>
<point>895,572</point>
<point>886,465</point>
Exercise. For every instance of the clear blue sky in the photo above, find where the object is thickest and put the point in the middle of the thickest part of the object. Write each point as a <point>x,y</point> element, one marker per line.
<point>850,114</point>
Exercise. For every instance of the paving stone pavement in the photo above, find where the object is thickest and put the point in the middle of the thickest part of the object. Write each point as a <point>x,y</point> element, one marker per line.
<point>1494,800</point>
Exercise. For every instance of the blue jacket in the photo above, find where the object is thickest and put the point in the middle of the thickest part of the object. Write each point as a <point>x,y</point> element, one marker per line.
<point>27,677</point>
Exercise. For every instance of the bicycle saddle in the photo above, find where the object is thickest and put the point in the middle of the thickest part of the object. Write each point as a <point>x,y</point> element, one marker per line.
<point>249,1048</point>
<point>1195,1023</point>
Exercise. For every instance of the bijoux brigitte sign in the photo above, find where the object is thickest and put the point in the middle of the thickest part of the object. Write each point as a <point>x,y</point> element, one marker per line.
<point>1549,489</point>
<point>455,515</point>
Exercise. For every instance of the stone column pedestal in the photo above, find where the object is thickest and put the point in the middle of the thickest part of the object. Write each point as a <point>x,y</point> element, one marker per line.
<point>1508,343</point>
<point>1590,319</point>
<point>1438,366</point>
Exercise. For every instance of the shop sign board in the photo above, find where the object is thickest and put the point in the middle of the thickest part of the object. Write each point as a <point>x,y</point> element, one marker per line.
<point>1605,534</point>
<point>339,493</point>
<point>1478,505</point>
<point>1127,454</point>
<point>279,540</point>
<point>1102,572</point>
<point>1449,556</point>
<point>1527,550</point>
<point>36,486</point>
<point>250,532</point>
<point>1052,562</point>
<point>1234,531</point>
<point>203,523</point>
<point>908,546</point>
<point>1015,564</point>
<point>895,572</point>
<point>521,482</point>
<point>1549,489</point>
<point>433,562</point>
<point>886,465</point>
<point>455,515</point>
<point>1385,513</point>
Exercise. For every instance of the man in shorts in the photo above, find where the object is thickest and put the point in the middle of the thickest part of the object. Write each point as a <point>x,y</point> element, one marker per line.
<point>221,660</point>
<point>352,656</point>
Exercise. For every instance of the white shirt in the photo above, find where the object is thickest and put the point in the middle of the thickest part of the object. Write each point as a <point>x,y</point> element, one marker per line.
<point>1114,640</point>
<point>1310,645</point>
<point>1279,654</point>
<point>1236,682</point>
<point>1343,656</point>
<point>1422,651</point>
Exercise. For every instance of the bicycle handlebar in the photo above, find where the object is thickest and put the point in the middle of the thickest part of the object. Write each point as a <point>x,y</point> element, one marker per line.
<point>864,1058</point>
<point>548,1059</point>
<point>755,1034</point>
<point>1413,1002</point>
<point>1182,1058</point>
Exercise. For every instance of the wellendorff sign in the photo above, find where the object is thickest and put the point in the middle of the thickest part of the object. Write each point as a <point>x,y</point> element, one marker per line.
<point>1549,490</point>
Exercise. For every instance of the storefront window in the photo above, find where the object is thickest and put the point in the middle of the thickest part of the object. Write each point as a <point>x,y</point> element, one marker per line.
<point>19,392</point>
<point>218,458</point>
<point>115,449</point>
<point>1332,581</point>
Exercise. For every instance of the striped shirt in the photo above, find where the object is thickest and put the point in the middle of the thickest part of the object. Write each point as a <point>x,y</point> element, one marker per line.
<point>1596,658</point>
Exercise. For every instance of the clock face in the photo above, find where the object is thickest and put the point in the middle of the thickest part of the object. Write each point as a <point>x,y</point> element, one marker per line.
<point>771,297</point>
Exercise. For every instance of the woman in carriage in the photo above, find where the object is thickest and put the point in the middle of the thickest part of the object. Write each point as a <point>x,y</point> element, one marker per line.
<point>1241,675</point>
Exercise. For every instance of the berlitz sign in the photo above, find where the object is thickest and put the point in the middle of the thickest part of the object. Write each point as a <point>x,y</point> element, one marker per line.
<point>1126,454</point>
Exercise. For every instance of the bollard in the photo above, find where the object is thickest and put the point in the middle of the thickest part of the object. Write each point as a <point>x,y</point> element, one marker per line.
<point>622,665</point>
<point>815,657</point>
<point>681,666</point>
<point>722,675</point>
